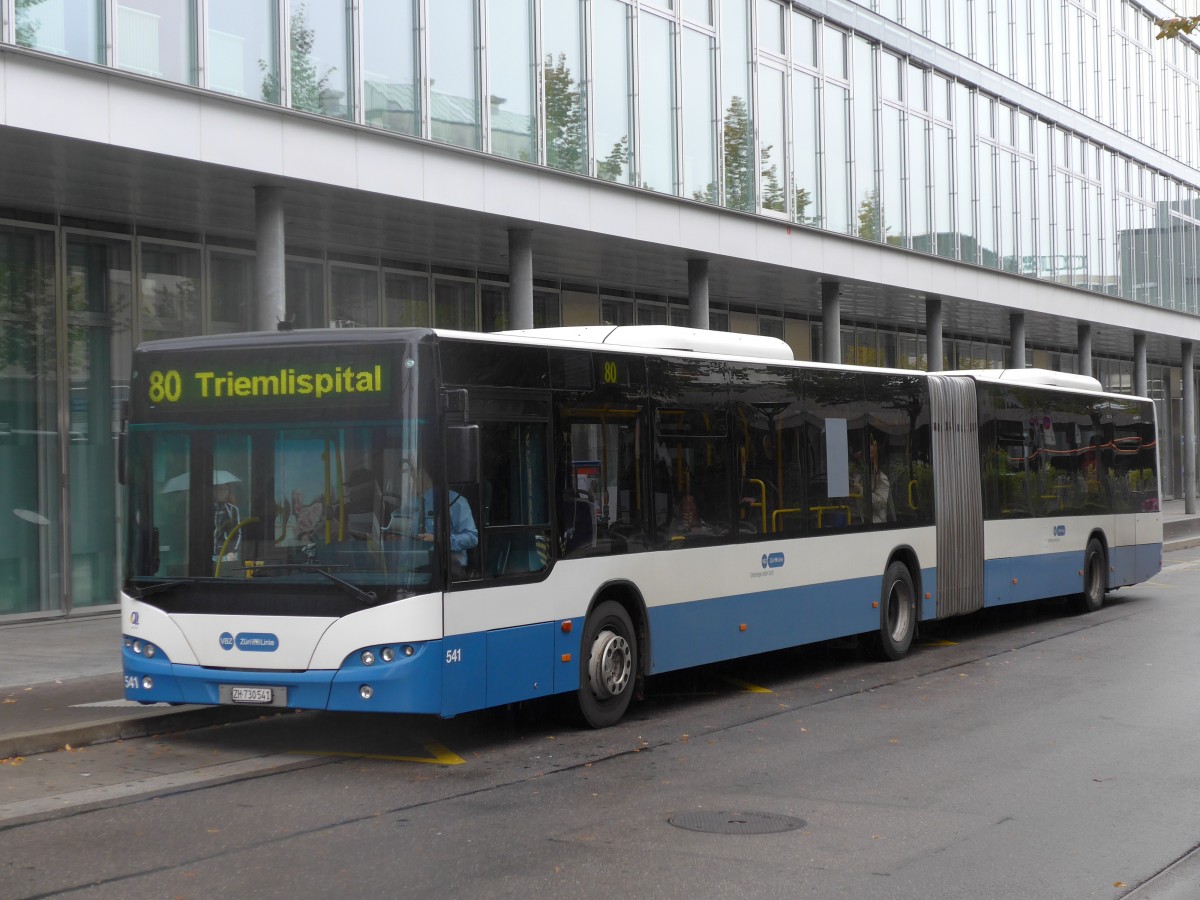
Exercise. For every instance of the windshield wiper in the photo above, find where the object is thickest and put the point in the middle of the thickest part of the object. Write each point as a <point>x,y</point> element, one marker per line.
<point>149,589</point>
<point>367,598</point>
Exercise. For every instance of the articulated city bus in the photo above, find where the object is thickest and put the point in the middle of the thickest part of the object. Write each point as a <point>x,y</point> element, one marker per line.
<point>409,520</point>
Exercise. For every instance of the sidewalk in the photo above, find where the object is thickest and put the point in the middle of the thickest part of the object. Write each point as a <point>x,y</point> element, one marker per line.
<point>61,683</point>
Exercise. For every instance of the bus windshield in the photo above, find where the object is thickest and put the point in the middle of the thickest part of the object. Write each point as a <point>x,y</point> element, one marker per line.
<point>333,504</point>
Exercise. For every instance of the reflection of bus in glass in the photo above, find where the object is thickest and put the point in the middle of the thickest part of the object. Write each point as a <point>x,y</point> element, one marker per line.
<point>413,521</point>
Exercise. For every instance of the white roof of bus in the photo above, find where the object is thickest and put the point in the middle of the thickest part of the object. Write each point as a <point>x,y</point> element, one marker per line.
<point>667,337</point>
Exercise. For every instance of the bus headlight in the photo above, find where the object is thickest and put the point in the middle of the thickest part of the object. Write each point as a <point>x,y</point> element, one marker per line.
<point>368,658</point>
<point>149,651</point>
<point>387,654</point>
<point>366,692</point>
<point>147,682</point>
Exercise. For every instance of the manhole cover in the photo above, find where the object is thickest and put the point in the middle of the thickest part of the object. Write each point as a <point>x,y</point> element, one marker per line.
<point>736,822</point>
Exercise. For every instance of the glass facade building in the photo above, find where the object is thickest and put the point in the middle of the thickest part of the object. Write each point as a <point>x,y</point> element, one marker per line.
<point>1036,157</point>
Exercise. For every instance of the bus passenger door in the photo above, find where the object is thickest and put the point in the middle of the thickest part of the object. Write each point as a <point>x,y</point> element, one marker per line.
<point>495,603</point>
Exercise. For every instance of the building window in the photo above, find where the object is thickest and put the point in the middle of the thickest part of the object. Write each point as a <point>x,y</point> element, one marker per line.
<point>355,294</point>
<point>243,49</point>
<point>157,38</point>
<point>616,311</point>
<point>565,91</point>
<point>390,65</point>
<point>406,299</point>
<point>319,41</point>
<point>737,128</point>
<point>99,286</point>
<point>510,80</point>
<point>231,290</point>
<point>30,566</point>
<point>454,304</point>
<point>772,150</point>
<point>699,118</point>
<point>305,294</point>
<point>656,92</point>
<point>613,88</point>
<point>170,290</point>
<point>453,73</point>
<point>73,28</point>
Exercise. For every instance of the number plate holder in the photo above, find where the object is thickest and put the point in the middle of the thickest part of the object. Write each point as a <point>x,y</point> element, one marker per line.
<point>252,695</point>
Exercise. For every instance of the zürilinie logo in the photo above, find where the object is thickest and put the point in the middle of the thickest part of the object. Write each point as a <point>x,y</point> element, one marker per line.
<point>317,383</point>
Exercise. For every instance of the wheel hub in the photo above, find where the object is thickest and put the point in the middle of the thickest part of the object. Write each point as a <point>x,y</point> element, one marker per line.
<point>610,665</point>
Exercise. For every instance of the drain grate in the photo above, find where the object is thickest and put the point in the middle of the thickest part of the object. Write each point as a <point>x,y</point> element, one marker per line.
<point>736,822</point>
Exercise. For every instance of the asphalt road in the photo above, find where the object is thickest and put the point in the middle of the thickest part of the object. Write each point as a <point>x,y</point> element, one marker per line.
<point>1020,753</point>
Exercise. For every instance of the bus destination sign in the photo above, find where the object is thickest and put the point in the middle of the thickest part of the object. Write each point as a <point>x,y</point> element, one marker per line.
<point>323,383</point>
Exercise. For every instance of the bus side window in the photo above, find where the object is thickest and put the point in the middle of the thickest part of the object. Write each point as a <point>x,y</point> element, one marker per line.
<point>599,480</point>
<point>691,476</point>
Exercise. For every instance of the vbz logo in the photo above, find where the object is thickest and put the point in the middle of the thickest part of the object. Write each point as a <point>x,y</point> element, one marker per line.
<point>226,641</point>
<point>1060,530</point>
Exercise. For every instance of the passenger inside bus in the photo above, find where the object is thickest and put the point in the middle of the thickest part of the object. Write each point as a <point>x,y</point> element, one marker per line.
<point>687,521</point>
<point>227,536</point>
<point>882,509</point>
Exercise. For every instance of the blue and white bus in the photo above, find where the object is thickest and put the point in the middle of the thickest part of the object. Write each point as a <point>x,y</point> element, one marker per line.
<point>408,520</point>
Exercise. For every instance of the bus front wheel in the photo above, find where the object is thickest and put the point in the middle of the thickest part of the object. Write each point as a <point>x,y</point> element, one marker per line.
<point>1095,579</point>
<point>897,614</point>
<point>608,665</point>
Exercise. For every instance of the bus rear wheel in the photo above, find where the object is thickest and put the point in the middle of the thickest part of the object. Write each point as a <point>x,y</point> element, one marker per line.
<point>897,615</point>
<point>608,665</point>
<point>1095,579</point>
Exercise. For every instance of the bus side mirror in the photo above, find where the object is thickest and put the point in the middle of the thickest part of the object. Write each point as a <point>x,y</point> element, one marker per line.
<point>462,454</point>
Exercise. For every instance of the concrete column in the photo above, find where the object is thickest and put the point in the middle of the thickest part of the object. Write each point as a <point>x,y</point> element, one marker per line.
<point>1085,348</point>
<point>1016,331</point>
<point>1189,429</point>
<point>520,278</point>
<point>270,302</point>
<point>1141,380</point>
<point>698,293</point>
<point>933,333</point>
<point>831,321</point>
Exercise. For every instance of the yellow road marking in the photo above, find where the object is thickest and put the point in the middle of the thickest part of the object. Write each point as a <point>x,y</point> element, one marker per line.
<point>439,755</point>
<point>748,687</point>
<point>938,643</point>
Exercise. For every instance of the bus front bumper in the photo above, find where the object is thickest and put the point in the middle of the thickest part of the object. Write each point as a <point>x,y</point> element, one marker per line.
<point>408,683</point>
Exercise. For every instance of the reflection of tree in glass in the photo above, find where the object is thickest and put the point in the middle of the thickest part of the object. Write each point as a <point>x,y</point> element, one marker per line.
<point>739,146</point>
<point>26,295</point>
<point>739,174</point>
<point>309,88</point>
<point>614,166</point>
<point>870,217</point>
<point>27,28</point>
<point>803,201</point>
<point>566,119</point>
<point>772,197</point>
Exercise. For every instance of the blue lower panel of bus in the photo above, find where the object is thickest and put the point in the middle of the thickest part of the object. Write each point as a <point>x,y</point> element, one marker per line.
<point>446,677</point>
<point>690,634</point>
<point>409,684</point>
<point>1022,578</point>
<point>1133,565</point>
<point>509,665</point>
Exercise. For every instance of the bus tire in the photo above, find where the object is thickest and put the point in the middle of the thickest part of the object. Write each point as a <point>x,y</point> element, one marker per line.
<point>607,665</point>
<point>1095,579</point>
<point>897,615</point>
